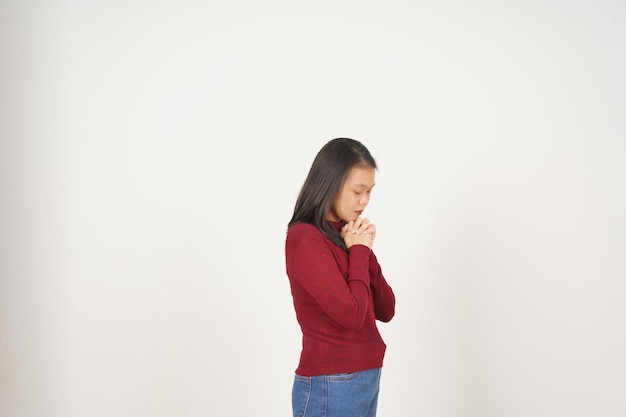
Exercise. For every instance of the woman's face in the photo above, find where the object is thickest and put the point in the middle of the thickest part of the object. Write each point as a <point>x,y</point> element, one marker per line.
<point>353,196</point>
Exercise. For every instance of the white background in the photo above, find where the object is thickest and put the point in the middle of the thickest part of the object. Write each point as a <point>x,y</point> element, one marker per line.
<point>151,153</point>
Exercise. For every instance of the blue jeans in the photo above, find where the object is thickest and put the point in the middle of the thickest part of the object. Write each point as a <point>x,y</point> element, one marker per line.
<point>341,395</point>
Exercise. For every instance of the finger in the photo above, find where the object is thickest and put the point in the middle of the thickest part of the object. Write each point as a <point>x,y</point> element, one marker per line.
<point>365,223</point>
<point>371,229</point>
<point>348,227</point>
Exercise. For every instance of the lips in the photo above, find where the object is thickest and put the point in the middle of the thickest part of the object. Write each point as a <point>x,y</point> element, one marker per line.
<point>359,212</point>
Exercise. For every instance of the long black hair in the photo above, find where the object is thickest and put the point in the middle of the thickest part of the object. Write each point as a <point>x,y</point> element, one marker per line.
<point>328,172</point>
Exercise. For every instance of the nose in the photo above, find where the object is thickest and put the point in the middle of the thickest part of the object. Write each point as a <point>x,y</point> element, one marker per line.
<point>364,199</point>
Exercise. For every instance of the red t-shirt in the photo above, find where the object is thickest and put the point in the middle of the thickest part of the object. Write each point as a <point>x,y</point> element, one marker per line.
<point>338,297</point>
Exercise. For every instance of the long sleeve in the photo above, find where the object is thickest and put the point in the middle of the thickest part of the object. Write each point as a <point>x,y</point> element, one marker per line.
<point>334,296</point>
<point>384,299</point>
<point>313,265</point>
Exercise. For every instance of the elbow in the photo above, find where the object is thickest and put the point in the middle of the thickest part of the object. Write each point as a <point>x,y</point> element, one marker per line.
<point>386,318</point>
<point>352,320</point>
<point>386,312</point>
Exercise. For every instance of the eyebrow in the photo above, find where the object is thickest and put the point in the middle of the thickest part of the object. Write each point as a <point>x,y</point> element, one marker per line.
<point>361,185</point>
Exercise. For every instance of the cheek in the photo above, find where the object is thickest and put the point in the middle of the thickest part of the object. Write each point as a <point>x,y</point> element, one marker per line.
<point>351,200</point>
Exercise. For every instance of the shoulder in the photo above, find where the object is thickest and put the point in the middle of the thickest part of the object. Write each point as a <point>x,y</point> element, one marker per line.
<point>305,243</point>
<point>306,234</point>
<point>300,231</point>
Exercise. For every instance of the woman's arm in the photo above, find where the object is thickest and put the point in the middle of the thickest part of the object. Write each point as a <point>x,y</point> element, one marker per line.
<point>311,264</point>
<point>384,299</point>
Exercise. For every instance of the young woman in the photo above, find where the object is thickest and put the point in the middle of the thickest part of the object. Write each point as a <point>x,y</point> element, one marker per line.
<point>337,286</point>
